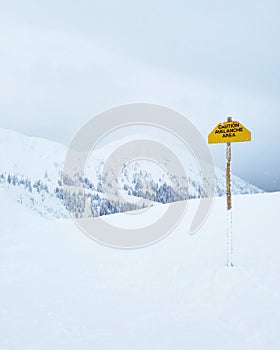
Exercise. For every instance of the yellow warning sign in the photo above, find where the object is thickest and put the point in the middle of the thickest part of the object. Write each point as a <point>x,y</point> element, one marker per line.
<point>231,131</point>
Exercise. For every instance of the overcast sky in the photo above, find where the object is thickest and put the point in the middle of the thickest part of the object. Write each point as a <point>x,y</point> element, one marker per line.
<point>62,62</point>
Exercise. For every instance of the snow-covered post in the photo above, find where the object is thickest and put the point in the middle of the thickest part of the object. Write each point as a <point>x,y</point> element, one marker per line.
<point>229,203</point>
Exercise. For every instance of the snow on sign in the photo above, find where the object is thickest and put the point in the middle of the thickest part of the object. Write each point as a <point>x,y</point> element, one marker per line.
<point>230,131</point>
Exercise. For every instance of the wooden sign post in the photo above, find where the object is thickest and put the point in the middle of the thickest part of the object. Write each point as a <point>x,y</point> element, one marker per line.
<point>229,203</point>
<point>228,132</point>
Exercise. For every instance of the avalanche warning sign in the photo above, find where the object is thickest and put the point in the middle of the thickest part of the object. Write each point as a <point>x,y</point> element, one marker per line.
<point>232,131</point>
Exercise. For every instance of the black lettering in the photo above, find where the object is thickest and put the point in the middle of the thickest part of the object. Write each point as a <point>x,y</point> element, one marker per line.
<point>229,134</point>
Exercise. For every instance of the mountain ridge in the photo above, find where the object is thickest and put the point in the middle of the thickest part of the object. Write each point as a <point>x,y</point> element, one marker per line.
<point>33,168</point>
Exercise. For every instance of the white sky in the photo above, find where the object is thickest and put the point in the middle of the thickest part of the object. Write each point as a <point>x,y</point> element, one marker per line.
<point>64,61</point>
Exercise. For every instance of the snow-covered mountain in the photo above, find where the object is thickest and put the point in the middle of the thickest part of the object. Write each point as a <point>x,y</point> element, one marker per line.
<point>32,169</point>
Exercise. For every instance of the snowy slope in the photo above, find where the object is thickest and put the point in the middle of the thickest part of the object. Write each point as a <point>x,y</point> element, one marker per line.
<point>61,290</point>
<point>31,156</point>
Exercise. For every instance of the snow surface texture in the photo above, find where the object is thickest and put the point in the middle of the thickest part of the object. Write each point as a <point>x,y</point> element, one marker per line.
<point>32,169</point>
<point>61,290</point>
